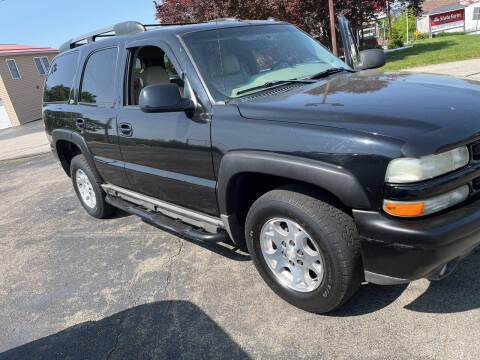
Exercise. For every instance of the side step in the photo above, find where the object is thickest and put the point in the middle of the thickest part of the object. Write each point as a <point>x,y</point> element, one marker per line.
<point>165,222</point>
<point>197,220</point>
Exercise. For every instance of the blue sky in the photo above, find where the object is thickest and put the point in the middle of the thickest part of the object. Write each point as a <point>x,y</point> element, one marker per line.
<point>52,22</point>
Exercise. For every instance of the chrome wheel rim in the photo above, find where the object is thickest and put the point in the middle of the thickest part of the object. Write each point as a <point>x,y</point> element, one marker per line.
<point>291,255</point>
<point>85,189</point>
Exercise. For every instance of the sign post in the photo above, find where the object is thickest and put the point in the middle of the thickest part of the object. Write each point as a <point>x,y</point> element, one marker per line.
<point>407,25</point>
<point>332,28</point>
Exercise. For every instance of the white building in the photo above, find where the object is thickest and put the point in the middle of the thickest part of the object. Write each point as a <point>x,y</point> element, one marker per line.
<point>472,18</point>
<point>460,17</point>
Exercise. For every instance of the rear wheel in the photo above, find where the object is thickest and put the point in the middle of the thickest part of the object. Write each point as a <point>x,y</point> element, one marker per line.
<point>88,189</point>
<point>304,248</point>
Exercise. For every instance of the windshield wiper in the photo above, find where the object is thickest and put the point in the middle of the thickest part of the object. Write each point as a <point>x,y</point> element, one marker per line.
<point>329,72</point>
<point>270,84</point>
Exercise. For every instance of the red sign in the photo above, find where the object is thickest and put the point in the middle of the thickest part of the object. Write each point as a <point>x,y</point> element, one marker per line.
<point>447,17</point>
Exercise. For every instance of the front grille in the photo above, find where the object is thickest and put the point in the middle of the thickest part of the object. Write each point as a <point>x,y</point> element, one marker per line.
<point>476,151</point>
<point>476,184</point>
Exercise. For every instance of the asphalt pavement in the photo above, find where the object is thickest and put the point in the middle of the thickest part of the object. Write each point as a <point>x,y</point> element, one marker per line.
<point>74,287</point>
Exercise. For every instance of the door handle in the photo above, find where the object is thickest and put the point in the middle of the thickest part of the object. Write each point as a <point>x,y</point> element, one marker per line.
<point>126,129</point>
<point>80,124</point>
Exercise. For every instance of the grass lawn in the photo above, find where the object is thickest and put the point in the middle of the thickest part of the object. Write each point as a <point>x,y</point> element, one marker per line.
<point>435,51</point>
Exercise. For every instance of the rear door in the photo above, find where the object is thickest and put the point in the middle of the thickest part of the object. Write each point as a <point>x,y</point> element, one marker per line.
<point>96,113</point>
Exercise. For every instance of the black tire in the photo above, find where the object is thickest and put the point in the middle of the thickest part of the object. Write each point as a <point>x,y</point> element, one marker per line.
<point>332,230</point>
<point>101,209</point>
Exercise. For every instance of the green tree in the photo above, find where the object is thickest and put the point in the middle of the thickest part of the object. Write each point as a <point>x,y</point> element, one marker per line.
<point>399,26</point>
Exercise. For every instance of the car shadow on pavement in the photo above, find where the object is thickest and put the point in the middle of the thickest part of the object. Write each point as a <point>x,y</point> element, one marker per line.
<point>368,299</point>
<point>119,214</point>
<point>227,249</point>
<point>160,330</point>
<point>456,293</point>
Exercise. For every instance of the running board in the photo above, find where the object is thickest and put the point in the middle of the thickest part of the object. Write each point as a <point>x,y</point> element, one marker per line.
<point>208,223</point>
<point>165,222</point>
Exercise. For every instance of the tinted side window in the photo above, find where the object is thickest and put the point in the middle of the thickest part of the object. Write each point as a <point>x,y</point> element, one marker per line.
<point>99,78</point>
<point>60,78</point>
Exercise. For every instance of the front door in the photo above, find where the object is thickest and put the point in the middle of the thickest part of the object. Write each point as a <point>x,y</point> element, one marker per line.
<point>167,155</point>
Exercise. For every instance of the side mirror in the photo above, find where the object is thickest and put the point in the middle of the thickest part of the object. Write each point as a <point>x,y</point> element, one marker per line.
<point>371,59</point>
<point>160,98</point>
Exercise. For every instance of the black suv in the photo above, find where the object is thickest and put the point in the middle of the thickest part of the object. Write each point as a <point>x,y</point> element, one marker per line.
<point>252,132</point>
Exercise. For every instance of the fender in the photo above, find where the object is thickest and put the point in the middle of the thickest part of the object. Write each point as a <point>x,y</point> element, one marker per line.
<point>77,139</point>
<point>335,179</point>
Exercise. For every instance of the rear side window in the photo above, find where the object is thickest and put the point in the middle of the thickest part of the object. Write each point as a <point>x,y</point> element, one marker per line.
<point>98,83</point>
<point>60,79</point>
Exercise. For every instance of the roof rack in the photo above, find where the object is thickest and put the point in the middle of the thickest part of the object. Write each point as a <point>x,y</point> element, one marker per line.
<point>124,28</point>
<point>127,28</point>
<point>225,19</point>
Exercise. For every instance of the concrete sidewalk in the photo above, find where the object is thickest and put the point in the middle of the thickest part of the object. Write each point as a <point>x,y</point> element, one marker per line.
<point>23,141</point>
<point>469,69</point>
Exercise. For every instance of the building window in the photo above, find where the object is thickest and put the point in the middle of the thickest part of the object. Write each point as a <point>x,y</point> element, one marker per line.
<point>476,13</point>
<point>46,63</point>
<point>12,66</point>
<point>39,65</point>
<point>42,64</point>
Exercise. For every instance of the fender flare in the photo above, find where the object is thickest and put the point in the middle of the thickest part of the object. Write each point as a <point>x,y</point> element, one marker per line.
<point>79,141</point>
<point>332,178</point>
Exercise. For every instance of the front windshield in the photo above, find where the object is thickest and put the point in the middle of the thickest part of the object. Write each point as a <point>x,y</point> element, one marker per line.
<point>233,61</point>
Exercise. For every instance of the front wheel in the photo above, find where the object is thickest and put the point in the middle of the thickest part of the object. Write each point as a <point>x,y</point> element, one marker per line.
<point>304,247</point>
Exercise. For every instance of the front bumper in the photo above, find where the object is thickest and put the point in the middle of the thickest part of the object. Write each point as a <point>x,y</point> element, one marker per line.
<point>398,250</point>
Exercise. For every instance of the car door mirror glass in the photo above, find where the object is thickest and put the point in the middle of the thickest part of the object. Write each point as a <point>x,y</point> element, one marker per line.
<point>164,98</point>
<point>359,60</point>
<point>371,59</point>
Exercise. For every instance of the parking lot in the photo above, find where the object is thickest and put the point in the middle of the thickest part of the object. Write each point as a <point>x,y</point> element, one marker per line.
<point>75,287</point>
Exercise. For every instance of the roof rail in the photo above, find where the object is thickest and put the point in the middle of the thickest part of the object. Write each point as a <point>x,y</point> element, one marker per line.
<point>124,28</point>
<point>226,19</point>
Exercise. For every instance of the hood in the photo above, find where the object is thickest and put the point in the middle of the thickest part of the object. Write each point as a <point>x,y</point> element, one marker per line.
<point>426,112</point>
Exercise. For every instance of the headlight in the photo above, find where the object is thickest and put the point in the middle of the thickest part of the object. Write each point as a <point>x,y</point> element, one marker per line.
<point>406,170</point>
<point>426,207</point>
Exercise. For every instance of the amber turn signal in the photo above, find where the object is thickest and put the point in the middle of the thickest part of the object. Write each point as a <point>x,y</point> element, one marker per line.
<point>403,209</point>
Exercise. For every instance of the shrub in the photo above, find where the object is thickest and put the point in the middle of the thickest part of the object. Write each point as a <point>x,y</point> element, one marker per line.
<point>445,34</point>
<point>399,25</point>
<point>395,44</point>
<point>423,36</point>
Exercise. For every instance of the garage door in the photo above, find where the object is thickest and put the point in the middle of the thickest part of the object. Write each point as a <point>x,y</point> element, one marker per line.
<point>4,120</point>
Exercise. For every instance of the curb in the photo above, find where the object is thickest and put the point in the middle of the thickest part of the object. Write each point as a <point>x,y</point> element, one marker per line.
<point>23,157</point>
